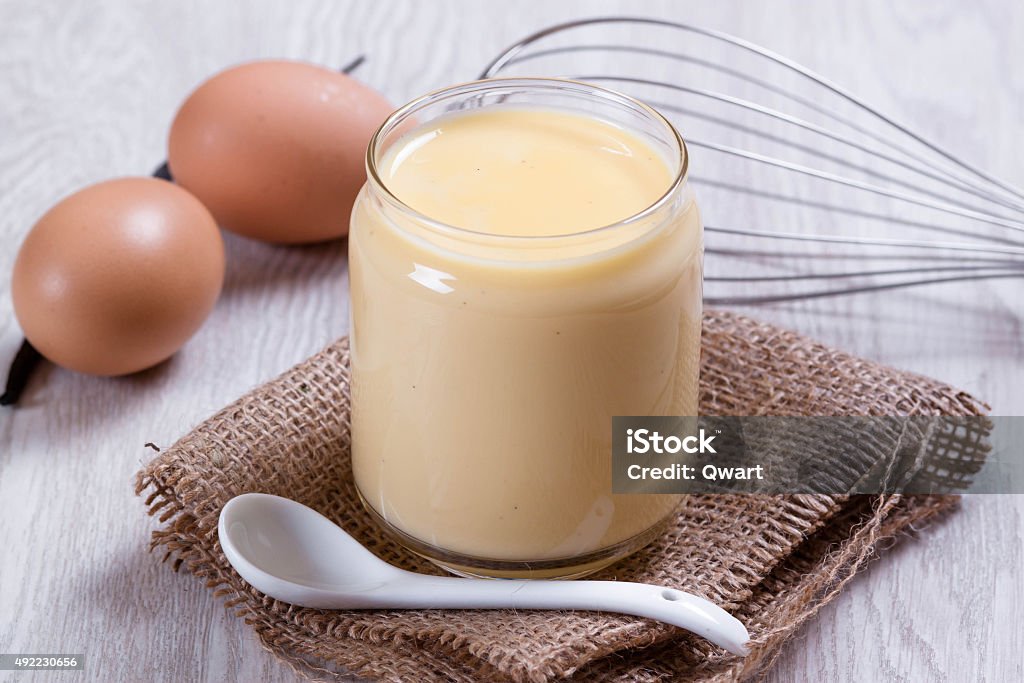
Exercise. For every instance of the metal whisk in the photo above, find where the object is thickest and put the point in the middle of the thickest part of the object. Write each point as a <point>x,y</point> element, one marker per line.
<point>776,132</point>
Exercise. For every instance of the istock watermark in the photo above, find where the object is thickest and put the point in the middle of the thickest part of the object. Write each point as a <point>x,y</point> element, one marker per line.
<point>649,441</point>
<point>826,455</point>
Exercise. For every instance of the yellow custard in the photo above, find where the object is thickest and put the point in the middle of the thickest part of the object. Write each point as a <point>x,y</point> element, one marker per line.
<point>497,326</point>
<point>525,172</point>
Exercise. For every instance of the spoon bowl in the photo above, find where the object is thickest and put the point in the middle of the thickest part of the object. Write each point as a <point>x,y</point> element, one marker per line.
<point>294,554</point>
<point>291,541</point>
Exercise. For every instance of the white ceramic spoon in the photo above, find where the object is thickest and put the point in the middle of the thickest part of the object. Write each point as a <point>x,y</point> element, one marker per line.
<point>295,554</point>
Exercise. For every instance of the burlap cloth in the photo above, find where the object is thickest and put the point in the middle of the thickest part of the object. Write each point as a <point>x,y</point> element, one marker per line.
<point>771,560</point>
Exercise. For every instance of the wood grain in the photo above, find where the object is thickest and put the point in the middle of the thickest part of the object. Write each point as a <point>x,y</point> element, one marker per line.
<point>87,93</point>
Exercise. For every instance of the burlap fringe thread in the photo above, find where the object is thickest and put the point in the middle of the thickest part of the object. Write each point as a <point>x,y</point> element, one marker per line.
<point>772,561</point>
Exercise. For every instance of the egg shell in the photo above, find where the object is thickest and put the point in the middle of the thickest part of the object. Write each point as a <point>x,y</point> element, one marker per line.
<point>116,277</point>
<point>276,149</point>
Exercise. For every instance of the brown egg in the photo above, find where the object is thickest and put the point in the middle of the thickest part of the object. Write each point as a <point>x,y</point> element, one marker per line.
<point>117,277</point>
<point>276,149</point>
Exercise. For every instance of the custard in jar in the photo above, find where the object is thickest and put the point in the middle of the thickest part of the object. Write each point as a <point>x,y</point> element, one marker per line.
<point>525,264</point>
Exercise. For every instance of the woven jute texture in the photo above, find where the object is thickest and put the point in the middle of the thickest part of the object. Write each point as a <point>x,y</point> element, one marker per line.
<point>771,560</point>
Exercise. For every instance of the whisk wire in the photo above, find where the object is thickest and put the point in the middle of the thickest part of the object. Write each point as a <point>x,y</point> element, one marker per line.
<point>857,184</point>
<point>921,166</point>
<point>503,59</point>
<point>928,161</point>
<point>813,128</point>
<point>875,242</point>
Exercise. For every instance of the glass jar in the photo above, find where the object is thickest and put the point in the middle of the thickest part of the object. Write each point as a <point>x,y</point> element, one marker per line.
<point>486,368</point>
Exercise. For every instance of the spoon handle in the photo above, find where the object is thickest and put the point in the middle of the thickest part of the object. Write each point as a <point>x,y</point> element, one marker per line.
<point>667,605</point>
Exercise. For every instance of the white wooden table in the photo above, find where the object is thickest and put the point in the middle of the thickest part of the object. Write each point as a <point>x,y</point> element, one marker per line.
<point>87,91</point>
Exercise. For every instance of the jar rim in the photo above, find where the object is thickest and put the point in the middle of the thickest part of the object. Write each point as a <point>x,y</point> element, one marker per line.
<point>401,114</point>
